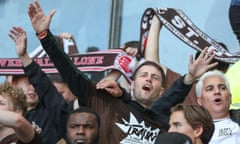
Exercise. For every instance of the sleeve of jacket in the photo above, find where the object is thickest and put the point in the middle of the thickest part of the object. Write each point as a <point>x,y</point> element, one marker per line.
<point>48,95</point>
<point>77,81</point>
<point>175,94</point>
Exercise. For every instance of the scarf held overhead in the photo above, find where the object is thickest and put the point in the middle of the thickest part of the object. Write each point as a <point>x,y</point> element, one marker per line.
<point>183,28</point>
<point>173,19</point>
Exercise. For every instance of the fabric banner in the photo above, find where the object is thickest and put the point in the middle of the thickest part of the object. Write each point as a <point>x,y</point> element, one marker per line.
<point>182,27</point>
<point>95,61</point>
<point>173,19</point>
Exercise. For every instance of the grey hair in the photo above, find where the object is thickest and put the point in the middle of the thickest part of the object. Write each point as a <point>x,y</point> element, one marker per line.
<point>217,73</point>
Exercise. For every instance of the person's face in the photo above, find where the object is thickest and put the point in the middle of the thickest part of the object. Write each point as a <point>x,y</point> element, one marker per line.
<point>29,91</point>
<point>64,91</point>
<point>131,51</point>
<point>178,123</point>
<point>6,103</point>
<point>215,96</point>
<point>147,85</point>
<point>82,128</point>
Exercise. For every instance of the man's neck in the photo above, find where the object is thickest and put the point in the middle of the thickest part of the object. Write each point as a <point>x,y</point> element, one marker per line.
<point>217,116</point>
<point>198,141</point>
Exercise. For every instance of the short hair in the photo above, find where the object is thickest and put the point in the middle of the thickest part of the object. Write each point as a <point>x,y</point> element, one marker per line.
<point>92,49</point>
<point>150,63</point>
<point>133,44</point>
<point>207,74</point>
<point>16,95</point>
<point>197,115</point>
<point>222,66</point>
<point>83,109</point>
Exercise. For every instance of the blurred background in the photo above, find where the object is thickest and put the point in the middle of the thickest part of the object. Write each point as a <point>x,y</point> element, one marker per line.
<point>108,24</point>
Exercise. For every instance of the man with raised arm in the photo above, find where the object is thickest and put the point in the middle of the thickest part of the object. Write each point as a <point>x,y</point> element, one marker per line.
<point>122,121</point>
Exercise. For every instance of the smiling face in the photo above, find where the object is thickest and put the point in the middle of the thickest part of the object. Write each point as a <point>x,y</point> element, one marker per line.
<point>147,85</point>
<point>82,128</point>
<point>215,97</point>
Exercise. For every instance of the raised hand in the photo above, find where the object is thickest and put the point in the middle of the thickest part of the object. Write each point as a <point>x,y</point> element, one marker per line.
<point>19,37</point>
<point>40,21</point>
<point>200,65</point>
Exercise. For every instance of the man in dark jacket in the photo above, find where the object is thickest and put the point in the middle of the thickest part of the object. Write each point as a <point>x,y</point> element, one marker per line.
<point>130,121</point>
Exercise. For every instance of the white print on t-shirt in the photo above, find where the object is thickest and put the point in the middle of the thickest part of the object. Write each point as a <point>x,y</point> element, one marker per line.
<point>137,132</point>
<point>36,127</point>
<point>226,132</point>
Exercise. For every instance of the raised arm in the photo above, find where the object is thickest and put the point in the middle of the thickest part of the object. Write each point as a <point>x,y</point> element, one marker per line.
<point>178,91</point>
<point>79,84</point>
<point>152,48</point>
<point>18,35</point>
<point>48,95</point>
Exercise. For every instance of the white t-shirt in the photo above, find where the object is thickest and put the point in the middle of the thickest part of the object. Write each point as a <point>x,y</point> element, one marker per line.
<point>226,132</point>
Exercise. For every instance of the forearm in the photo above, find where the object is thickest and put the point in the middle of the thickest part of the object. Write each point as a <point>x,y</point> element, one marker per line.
<point>152,48</point>
<point>77,81</point>
<point>113,75</point>
<point>175,94</point>
<point>22,127</point>
<point>189,79</point>
<point>26,60</point>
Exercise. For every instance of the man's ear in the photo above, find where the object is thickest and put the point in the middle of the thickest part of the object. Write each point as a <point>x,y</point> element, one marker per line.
<point>161,91</point>
<point>230,98</point>
<point>199,101</point>
<point>131,88</point>
<point>198,130</point>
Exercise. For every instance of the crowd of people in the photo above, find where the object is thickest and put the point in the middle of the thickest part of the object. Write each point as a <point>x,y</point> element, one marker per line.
<point>158,106</point>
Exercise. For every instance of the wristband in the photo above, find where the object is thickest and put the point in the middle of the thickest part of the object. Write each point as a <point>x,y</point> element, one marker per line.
<point>42,34</point>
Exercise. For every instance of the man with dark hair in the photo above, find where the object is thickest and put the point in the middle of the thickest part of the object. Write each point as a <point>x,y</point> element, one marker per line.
<point>152,53</point>
<point>192,120</point>
<point>130,121</point>
<point>83,126</point>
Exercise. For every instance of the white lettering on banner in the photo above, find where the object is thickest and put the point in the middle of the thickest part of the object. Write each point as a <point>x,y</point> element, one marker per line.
<point>180,24</point>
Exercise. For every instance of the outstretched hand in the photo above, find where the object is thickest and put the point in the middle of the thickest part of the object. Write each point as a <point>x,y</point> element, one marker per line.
<point>201,65</point>
<point>39,20</point>
<point>19,36</point>
<point>110,86</point>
